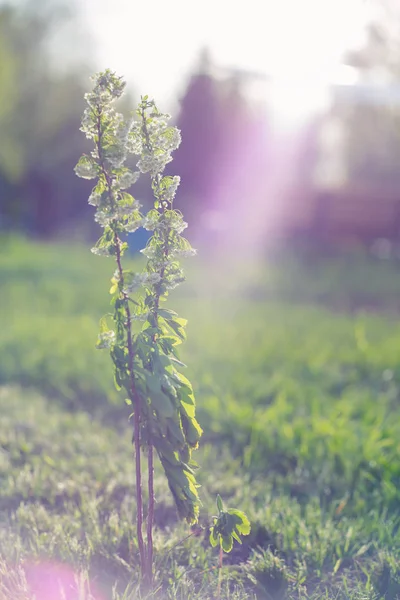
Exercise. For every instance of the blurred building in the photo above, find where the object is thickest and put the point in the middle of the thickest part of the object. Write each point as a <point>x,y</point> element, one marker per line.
<point>356,175</point>
<point>338,173</point>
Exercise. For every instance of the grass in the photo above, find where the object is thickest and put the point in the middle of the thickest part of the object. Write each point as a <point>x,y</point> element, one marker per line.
<point>297,379</point>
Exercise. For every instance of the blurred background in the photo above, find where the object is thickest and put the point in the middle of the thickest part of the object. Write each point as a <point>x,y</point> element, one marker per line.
<point>290,113</point>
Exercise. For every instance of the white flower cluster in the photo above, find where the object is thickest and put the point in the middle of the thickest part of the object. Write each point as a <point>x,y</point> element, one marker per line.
<point>116,155</point>
<point>155,221</point>
<point>127,179</point>
<point>108,87</point>
<point>94,198</point>
<point>106,339</point>
<point>153,141</point>
<point>183,252</point>
<point>86,170</point>
<point>160,140</point>
<point>123,129</point>
<point>162,136</point>
<point>159,260</point>
<point>151,221</point>
<point>103,218</point>
<point>133,225</point>
<point>169,190</point>
<point>88,126</point>
<point>153,164</point>
<point>142,279</point>
<point>100,251</point>
<point>126,212</point>
<point>175,221</point>
<point>174,276</point>
<point>134,143</point>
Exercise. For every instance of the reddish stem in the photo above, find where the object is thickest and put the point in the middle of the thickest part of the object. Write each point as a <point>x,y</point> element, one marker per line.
<point>150,517</point>
<point>136,421</point>
<point>220,561</point>
<point>135,397</point>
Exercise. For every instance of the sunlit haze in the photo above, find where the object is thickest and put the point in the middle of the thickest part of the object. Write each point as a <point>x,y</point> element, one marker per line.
<point>155,45</point>
<point>294,51</point>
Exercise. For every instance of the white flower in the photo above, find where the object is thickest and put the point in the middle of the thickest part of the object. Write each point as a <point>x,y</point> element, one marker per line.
<point>170,139</point>
<point>116,155</point>
<point>141,279</point>
<point>122,129</point>
<point>134,143</point>
<point>106,339</point>
<point>86,170</point>
<point>152,278</point>
<point>175,221</point>
<point>136,283</point>
<point>100,251</point>
<point>153,164</point>
<point>103,218</point>
<point>133,225</point>
<point>183,252</point>
<point>128,179</point>
<point>88,126</point>
<point>169,193</point>
<point>94,198</point>
<point>174,282</point>
<point>150,223</point>
<point>126,209</point>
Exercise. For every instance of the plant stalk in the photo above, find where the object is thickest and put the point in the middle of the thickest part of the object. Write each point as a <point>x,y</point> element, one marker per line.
<point>136,423</point>
<point>135,397</point>
<point>150,516</point>
<point>220,561</point>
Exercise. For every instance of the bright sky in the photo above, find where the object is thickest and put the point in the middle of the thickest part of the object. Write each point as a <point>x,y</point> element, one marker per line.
<point>154,44</point>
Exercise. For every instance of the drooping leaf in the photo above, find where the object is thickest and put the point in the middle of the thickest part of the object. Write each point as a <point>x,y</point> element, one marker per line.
<point>242,523</point>
<point>227,542</point>
<point>160,401</point>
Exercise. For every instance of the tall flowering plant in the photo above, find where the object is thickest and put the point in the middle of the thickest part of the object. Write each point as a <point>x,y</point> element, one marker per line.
<point>144,334</point>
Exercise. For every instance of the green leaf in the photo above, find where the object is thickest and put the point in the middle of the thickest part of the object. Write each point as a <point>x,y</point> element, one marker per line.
<point>104,328</point>
<point>167,314</point>
<point>178,329</point>
<point>226,543</point>
<point>213,537</point>
<point>183,380</point>
<point>187,405</point>
<point>177,361</point>
<point>117,382</point>
<point>181,322</point>
<point>236,537</point>
<point>220,506</point>
<point>242,523</point>
<point>160,401</point>
<point>168,387</point>
<point>192,430</point>
<point>175,429</point>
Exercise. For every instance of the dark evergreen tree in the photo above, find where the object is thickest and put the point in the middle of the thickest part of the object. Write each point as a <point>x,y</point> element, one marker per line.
<point>196,160</point>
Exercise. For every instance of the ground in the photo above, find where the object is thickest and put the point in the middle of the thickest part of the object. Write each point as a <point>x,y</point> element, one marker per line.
<point>295,363</point>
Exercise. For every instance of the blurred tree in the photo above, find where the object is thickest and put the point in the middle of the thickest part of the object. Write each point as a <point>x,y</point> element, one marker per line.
<point>39,123</point>
<point>199,120</point>
<point>373,118</point>
<point>223,153</point>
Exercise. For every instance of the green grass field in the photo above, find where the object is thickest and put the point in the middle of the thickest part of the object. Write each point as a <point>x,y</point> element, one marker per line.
<point>297,375</point>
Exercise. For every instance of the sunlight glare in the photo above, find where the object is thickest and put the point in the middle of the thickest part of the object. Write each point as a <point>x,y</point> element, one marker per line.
<point>156,48</point>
